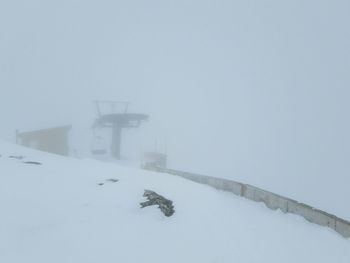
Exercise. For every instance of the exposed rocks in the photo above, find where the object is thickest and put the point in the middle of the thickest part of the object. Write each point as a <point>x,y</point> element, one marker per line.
<point>31,162</point>
<point>18,157</point>
<point>112,180</point>
<point>165,205</point>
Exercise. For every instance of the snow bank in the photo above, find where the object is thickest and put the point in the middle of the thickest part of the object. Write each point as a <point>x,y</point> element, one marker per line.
<point>271,200</point>
<point>65,210</point>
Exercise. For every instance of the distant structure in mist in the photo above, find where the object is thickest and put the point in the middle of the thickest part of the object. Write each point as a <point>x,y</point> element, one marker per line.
<point>116,118</point>
<point>53,140</point>
<point>112,116</point>
<point>156,159</point>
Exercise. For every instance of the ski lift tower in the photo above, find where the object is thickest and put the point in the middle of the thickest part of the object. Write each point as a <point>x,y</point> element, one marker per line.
<point>117,119</point>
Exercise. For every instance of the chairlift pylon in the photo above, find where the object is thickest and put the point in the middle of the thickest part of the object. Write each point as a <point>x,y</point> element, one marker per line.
<point>116,121</point>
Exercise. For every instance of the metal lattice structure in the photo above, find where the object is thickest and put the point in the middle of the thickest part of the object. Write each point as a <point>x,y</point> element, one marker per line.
<point>116,119</point>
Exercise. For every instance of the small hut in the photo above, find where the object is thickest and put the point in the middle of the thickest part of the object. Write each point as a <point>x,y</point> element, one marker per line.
<point>52,140</point>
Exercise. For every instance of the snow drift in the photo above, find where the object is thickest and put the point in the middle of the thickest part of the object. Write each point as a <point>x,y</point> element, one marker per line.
<point>67,210</point>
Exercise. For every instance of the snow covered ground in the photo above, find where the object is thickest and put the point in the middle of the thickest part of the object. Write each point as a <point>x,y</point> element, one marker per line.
<point>59,212</point>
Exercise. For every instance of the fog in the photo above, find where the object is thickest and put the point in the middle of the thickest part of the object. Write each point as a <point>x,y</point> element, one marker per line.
<point>249,90</point>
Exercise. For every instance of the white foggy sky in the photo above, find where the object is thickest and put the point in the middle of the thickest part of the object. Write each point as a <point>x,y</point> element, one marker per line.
<point>242,89</point>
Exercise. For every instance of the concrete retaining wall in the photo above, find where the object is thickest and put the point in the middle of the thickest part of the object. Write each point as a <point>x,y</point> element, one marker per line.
<point>271,200</point>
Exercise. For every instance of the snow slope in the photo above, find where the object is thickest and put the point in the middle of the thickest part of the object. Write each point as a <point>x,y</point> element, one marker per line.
<point>58,212</point>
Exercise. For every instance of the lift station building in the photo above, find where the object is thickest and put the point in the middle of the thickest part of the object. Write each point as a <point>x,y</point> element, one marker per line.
<point>53,140</point>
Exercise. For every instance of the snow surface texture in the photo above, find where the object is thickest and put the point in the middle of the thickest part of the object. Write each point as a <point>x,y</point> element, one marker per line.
<point>66,210</point>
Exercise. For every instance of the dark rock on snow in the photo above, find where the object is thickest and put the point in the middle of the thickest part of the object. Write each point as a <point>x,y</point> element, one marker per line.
<point>112,180</point>
<point>18,157</point>
<point>31,162</point>
<point>165,205</point>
